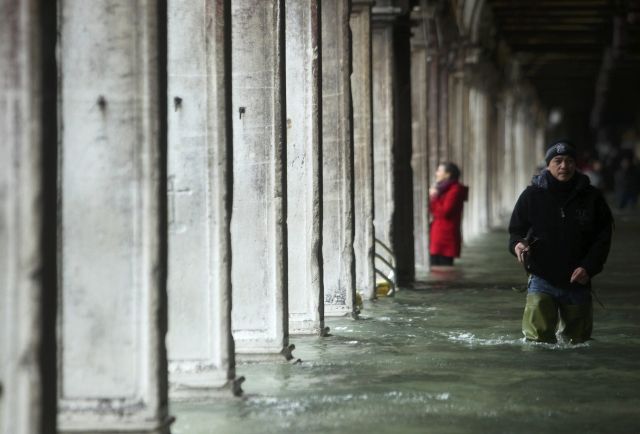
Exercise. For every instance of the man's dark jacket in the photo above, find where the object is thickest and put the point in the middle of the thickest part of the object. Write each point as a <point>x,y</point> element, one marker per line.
<point>571,224</point>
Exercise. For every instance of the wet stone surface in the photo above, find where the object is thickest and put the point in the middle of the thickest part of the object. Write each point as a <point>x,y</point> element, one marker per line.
<point>448,357</point>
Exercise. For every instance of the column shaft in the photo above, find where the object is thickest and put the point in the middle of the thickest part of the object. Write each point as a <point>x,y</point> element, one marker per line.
<point>403,233</point>
<point>337,162</point>
<point>200,344</point>
<point>258,226</point>
<point>443,105</point>
<point>383,129</point>
<point>112,229</point>
<point>420,155</point>
<point>364,242</point>
<point>304,170</point>
<point>27,289</point>
<point>457,118</point>
<point>433,106</point>
<point>477,166</point>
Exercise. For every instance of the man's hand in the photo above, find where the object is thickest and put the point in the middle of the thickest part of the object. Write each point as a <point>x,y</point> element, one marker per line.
<point>433,192</point>
<point>519,249</point>
<point>580,275</point>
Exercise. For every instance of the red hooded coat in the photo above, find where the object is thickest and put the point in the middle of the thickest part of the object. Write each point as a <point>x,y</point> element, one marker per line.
<point>445,236</point>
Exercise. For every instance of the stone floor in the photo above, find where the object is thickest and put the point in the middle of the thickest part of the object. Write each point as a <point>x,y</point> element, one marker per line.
<point>447,357</point>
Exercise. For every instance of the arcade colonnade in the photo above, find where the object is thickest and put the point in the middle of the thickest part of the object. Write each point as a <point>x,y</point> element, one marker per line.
<point>163,161</point>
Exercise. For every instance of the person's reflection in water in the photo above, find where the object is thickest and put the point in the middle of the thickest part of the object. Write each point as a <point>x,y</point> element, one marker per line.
<point>446,202</point>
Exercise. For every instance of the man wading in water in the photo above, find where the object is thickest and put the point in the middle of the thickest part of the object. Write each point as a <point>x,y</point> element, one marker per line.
<point>560,230</point>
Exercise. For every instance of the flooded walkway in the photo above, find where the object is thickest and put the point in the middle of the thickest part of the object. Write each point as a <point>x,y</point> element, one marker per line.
<point>447,357</point>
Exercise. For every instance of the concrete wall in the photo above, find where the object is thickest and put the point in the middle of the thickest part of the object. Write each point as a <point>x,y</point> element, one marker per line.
<point>337,162</point>
<point>200,344</point>
<point>112,325</point>
<point>304,170</point>
<point>258,226</point>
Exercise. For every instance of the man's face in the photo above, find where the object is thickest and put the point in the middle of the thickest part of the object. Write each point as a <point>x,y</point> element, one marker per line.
<point>562,167</point>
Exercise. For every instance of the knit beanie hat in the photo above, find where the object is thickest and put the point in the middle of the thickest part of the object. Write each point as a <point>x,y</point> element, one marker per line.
<point>560,148</point>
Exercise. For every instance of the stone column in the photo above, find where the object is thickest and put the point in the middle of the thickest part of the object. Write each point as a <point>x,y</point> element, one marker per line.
<point>500,162</point>
<point>27,189</point>
<point>443,105</point>
<point>494,133</point>
<point>383,122</point>
<point>304,170</point>
<point>477,167</point>
<point>337,162</point>
<point>457,118</point>
<point>521,166</point>
<point>258,226</point>
<point>200,345</point>
<point>112,227</point>
<point>364,244</point>
<point>403,233</point>
<point>433,99</point>
<point>420,153</point>
<point>509,161</point>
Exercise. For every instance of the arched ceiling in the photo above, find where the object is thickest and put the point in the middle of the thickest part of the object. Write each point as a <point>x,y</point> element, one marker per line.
<point>582,56</point>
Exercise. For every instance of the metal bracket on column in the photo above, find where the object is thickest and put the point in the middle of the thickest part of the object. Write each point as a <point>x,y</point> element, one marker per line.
<point>236,386</point>
<point>390,263</point>
<point>288,352</point>
<point>385,13</point>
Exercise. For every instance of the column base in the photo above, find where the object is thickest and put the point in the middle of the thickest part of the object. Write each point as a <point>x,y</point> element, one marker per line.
<point>202,386</point>
<point>259,356</point>
<point>91,427</point>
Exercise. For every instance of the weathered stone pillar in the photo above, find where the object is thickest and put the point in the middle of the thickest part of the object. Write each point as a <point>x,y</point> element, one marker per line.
<point>364,244</point>
<point>112,228</point>
<point>420,152</point>
<point>433,100</point>
<point>403,233</point>
<point>500,162</point>
<point>200,345</point>
<point>520,168</point>
<point>444,145</point>
<point>27,191</point>
<point>337,162</point>
<point>383,121</point>
<point>509,160</point>
<point>494,219</point>
<point>476,212</point>
<point>392,137</point>
<point>304,170</point>
<point>458,111</point>
<point>258,226</point>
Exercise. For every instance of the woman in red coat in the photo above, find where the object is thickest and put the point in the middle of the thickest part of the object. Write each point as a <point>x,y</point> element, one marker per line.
<point>446,201</point>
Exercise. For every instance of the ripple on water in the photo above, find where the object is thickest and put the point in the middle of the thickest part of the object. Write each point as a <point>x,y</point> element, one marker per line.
<point>422,308</point>
<point>470,339</point>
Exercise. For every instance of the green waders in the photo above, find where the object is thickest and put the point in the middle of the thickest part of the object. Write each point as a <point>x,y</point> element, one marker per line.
<point>542,314</point>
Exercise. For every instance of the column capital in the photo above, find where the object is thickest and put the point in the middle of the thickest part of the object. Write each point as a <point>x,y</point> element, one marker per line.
<point>363,3</point>
<point>358,6</point>
<point>385,15</point>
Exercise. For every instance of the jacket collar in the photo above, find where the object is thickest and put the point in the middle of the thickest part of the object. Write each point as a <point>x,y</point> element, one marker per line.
<point>543,180</point>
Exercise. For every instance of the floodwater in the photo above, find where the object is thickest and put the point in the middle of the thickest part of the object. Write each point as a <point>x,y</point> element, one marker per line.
<point>447,356</point>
